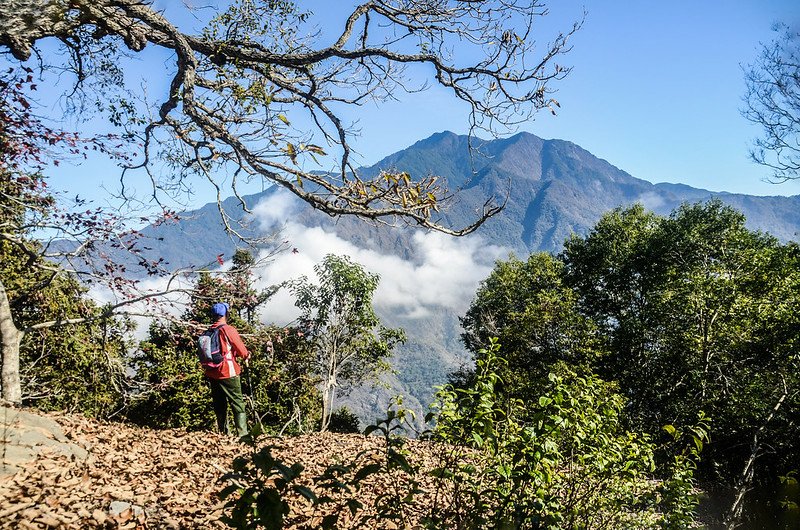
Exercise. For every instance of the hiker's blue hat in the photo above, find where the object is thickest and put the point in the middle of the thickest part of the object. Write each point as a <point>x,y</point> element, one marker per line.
<point>220,309</point>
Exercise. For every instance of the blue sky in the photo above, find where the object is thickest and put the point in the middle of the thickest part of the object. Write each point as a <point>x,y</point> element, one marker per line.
<point>656,89</point>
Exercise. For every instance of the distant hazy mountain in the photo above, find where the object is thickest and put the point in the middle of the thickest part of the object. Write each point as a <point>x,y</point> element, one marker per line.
<point>553,188</point>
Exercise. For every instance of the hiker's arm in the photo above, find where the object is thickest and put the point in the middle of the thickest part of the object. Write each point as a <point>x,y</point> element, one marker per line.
<point>239,349</point>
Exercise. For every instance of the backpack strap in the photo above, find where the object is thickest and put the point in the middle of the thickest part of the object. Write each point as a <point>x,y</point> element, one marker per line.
<point>225,335</point>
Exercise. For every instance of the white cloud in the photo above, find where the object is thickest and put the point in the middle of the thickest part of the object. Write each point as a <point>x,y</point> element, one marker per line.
<point>445,273</point>
<point>651,200</point>
<point>275,209</point>
<point>144,312</point>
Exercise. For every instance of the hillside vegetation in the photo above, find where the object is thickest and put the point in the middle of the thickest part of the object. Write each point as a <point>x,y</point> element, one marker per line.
<point>652,357</point>
<point>555,189</point>
<point>480,468</point>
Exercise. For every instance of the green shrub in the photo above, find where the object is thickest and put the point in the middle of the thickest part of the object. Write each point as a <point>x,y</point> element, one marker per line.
<point>572,465</point>
<point>343,420</point>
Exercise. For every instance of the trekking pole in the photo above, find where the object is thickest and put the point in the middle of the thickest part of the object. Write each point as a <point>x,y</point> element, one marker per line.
<point>251,397</point>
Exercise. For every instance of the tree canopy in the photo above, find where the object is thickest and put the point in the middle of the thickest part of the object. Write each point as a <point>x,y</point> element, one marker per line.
<point>534,315</point>
<point>690,314</point>
<point>258,94</point>
<point>697,319</point>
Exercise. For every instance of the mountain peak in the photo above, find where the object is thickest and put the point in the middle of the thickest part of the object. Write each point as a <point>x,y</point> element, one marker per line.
<point>442,140</point>
<point>439,136</point>
<point>551,188</point>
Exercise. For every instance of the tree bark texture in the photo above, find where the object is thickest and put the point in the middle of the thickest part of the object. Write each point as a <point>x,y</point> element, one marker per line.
<point>10,339</point>
<point>23,22</point>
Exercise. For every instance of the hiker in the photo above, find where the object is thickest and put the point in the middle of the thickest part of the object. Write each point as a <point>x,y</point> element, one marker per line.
<point>218,353</point>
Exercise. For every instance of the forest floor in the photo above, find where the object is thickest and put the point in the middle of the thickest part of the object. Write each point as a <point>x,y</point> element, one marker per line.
<point>67,471</point>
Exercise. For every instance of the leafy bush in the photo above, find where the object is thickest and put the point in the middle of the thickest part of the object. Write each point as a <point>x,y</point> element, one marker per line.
<point>77,368</point>
<point>173,392</point>
<point>572,466</point>
<point>258,487</point>
<point>343,420</point>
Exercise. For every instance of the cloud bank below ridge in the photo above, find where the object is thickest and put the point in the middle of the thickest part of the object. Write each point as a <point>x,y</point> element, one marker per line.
<point>445,273</point>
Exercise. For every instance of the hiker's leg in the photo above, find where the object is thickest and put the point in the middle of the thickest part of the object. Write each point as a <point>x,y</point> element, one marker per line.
<point>233,391</point>
<point>220,401</point>
<point>240,421</point>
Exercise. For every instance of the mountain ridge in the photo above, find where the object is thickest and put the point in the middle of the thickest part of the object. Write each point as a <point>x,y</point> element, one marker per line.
<point>554,188</point>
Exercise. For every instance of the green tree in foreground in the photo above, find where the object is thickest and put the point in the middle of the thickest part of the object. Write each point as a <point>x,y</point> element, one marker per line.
<point>700,314</point>
<point>527,307</point>
<point>689,314</point>
<point>348,342</point>
<point>77,367</point>
<point>563,461</point>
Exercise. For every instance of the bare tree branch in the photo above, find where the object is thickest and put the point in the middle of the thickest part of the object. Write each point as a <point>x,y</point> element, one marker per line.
<point>772,101</point>
<point>258,94</point>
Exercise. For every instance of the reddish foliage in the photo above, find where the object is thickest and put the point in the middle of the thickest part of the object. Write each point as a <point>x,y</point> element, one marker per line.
<point>27,146</point>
